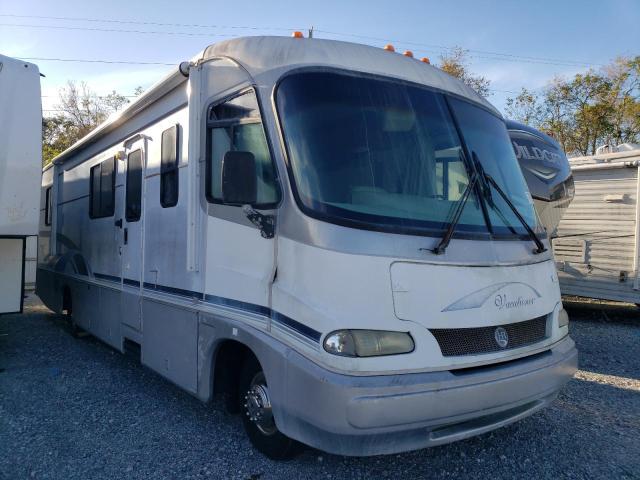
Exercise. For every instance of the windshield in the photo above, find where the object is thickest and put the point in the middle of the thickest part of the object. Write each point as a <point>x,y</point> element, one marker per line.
<point>387,155</point>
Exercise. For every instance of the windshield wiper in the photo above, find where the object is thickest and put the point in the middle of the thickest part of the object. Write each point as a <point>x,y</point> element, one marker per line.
<point>490,181</point>
<point>485,189</point>
<point>446,239</point>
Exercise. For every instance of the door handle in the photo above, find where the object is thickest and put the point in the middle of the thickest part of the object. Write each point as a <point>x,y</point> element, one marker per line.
<point>118,223</point>
<point>126,235</point>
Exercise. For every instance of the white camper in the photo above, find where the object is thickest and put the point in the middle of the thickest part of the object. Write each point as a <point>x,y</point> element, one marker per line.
<point>20,173</point>
<point>598,244</point>
<point>335,237</point>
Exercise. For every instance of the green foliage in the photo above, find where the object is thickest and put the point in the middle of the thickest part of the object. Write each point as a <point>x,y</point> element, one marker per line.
<point>591,109</point>
<point>55,138</point>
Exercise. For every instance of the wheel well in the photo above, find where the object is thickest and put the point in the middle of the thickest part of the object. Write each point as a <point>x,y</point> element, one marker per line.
<point>66,300</point>
<point>228,362</point>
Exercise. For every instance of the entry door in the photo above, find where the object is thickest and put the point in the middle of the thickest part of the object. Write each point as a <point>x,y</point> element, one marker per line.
<point>132,214</point>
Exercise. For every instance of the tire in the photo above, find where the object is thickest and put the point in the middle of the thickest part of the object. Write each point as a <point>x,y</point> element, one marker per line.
<point>258,421</point>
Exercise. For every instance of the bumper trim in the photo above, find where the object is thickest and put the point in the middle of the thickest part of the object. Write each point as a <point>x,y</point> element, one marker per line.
<point>478,425</point>
<point>382,415</point>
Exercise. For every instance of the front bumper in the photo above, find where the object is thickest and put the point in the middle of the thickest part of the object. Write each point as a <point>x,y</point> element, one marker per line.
<point>382,414</point>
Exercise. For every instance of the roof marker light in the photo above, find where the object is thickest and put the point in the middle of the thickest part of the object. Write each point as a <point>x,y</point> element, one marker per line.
<point>297,34</point>
<point>389,48</point>
<point>408,53</point>
<point>426,60</point>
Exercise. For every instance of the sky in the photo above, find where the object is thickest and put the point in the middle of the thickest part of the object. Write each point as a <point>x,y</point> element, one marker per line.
<point>514,44</point>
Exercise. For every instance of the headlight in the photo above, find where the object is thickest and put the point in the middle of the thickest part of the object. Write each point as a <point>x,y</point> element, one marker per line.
<point>563,318</point>
<point>367,343</point>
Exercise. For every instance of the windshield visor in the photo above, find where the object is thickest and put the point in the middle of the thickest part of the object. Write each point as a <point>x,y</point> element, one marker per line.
<point>385,155</point>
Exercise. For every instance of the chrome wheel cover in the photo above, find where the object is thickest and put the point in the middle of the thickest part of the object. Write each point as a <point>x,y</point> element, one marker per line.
<point>257,405</point>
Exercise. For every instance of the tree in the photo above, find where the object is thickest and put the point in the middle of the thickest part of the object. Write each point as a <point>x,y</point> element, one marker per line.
<point>54,136</point>
<point>624,75</point>
<point>591,109</point>
<point>456,64</point>
<point>80,111</point>
<point>526,107</point>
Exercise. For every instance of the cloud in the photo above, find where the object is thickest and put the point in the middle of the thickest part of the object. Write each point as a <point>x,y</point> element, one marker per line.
<point>514,76</point>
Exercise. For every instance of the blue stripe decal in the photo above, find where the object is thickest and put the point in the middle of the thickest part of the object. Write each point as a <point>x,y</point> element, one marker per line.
<point>104,276</point>
<point>301,328</point>
<point>277,317</point>
<point>259,309</point>
<point>230,302</point>
<point>174,291</point>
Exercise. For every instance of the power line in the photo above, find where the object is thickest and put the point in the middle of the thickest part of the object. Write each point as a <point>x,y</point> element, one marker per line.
<point>137,22</point>
<point>115,30</point>
<point>83,60</point>
<point>493,54</point>
<point>448,49</point>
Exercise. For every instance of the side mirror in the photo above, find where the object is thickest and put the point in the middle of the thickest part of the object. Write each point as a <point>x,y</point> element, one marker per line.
<point>239,185</point>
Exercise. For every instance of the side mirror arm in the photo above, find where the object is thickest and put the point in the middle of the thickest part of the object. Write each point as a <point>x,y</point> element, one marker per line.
<point>266,223</point>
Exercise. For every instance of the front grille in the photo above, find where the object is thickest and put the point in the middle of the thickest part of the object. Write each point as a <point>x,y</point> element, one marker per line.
<point>472,341</point>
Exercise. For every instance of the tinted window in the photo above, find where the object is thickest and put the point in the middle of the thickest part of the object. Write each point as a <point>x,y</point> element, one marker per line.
<point>384,154</point>
<point>374,152</point>
<point>169,167</point>
<point>244,106</point>
<point>134,186</point>
<point>102,189</point>
<point>47,206</point>
<point>107,187</point>
<point>235,125</point>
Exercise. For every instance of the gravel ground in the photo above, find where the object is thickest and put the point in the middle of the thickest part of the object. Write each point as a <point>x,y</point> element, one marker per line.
<point>76,409</point>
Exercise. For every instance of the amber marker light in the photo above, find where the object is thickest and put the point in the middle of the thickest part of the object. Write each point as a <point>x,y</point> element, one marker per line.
<point>426,60</point>
<point>389,48</point>
<point>297,34</point>
<point>408,53</point>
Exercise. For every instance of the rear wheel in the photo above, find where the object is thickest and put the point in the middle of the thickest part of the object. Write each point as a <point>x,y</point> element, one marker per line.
<point>257,415</point>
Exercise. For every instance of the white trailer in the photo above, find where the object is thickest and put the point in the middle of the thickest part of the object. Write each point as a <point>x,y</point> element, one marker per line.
<point>20,173</point>
<point>335,237</point>
<point>598,244</point>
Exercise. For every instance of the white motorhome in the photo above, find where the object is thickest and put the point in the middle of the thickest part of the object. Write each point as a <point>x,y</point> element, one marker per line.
<point>20,170</point>
<point>335,237</point>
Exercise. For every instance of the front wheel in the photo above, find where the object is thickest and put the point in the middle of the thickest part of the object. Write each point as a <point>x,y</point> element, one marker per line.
<point>257,415</point>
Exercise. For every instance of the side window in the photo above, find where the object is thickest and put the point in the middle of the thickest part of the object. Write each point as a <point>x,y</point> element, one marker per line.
<point>102,189</point>
<point>47,206</point>
<point>133,200</point>
<point>169,167</point>
<point>235,125</point>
